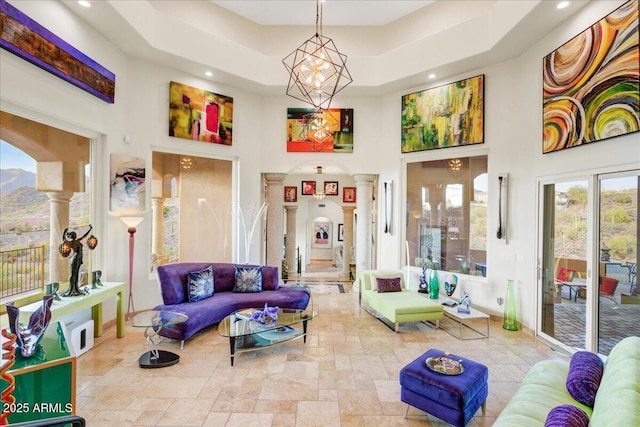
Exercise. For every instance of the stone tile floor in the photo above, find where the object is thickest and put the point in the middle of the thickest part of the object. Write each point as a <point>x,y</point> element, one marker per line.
<point>345,375</point>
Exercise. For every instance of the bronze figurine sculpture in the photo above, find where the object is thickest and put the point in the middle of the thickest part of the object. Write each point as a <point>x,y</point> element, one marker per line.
<point>71,244</point>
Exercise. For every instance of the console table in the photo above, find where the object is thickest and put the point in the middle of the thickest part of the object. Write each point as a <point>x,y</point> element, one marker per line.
<point>93,300</point>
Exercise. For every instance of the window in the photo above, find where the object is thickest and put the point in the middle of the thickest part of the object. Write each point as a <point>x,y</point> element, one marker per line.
<point>192,209</point>
<point>447,213</point>
<point>27,204</point>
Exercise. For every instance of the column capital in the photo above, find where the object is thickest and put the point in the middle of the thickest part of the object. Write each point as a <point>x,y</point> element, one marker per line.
<point>348,209</point>
<point>275,178</point>
<point>290,208</point>
<point>60,196</point>
<point>364,178</point>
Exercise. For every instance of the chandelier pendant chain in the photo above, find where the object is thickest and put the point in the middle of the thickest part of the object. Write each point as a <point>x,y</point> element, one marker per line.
<point>319,18</point>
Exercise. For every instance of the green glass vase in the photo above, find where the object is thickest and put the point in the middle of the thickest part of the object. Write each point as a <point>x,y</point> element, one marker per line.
<point>434,285</point>
<point>510,317</point>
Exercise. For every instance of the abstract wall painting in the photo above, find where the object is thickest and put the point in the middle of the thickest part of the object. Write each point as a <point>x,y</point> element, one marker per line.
<point>29,40</point>
<point>200,115</point>
<point>127,176</point>
<point>592,83</point>
<point>333,133</point>
<point>446,116</point>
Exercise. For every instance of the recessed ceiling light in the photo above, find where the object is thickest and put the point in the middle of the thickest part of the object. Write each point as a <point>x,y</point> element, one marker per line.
<point>563,4</point>
<point>432,76</point>
<point>208,74</point>
<point>84,3</point>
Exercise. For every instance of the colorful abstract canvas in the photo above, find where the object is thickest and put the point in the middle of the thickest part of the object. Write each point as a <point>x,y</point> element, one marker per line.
<point>333,135</point>
<point>200,115</point>
<point>29,40</point>
<point>446,116</point>
<point>127,176</point>
<point>592,83</point>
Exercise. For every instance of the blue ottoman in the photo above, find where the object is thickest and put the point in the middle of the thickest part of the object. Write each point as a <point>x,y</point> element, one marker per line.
<point>452,398</point>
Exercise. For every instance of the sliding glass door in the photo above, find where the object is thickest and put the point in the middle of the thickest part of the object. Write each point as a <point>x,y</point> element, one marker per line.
<point>564,262</point>
<point>588,254</point>
<point>618,293</point>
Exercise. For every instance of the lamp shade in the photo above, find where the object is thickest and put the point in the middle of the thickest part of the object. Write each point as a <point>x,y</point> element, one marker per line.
<point>131,221</point>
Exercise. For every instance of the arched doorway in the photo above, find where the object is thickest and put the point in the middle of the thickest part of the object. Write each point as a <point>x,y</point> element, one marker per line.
<point>322,194</point>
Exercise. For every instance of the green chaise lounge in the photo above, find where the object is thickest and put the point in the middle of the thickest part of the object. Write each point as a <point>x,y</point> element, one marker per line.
<point>396,307</point>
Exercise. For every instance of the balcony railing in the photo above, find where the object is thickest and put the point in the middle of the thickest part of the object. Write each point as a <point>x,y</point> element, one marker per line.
<point>22,271</point>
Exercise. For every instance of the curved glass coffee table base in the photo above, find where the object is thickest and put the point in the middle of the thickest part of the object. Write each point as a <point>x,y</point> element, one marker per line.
<point>158,359</point>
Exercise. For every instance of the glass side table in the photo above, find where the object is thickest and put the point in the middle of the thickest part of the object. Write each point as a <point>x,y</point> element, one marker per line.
<point>153,321</point>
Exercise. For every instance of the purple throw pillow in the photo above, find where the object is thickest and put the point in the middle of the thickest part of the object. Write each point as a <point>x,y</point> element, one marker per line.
<point>583,379</point>
<point>567,416</point>
<point>388,284</point>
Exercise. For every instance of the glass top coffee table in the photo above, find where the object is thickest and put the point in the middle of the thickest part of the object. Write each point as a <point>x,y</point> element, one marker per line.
<point>153,321</point>
<point>246,334</point>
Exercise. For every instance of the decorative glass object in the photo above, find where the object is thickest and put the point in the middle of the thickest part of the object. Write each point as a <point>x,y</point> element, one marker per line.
<point>424,282</point>
<point>95,279</point>
<point>450,285</point>
<point>464,305</point>
<point>510,318</point>
<point>28,337</point>
<point>434,285</point>
<point>267,316</point>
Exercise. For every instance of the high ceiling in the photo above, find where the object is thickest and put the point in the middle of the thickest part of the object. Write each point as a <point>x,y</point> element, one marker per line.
<point>334,12</point>
<point>391,45</point>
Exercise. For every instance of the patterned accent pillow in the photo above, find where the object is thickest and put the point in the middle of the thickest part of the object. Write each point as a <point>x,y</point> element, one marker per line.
<point>248,279</point>
<point>583,379</point>
<point>200,284</point>
<point>388,284</point>
<point>567,415</point>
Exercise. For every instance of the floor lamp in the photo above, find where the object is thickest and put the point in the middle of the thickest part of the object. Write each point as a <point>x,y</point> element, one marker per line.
<point>131,222</point>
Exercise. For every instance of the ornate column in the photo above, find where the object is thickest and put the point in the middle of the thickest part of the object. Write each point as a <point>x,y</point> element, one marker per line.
<point>275,217</point>
<point>347,220</point>
<point>157,207</point>
<point>58,220</point>
<point>364,204</point>
<point>290,249</point>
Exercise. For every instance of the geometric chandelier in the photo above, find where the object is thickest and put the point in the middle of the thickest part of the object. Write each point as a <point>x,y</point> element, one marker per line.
<point>317,70</point>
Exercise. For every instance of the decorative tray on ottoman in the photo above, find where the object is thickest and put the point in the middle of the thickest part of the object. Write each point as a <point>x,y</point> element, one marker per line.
<point>444,365</point>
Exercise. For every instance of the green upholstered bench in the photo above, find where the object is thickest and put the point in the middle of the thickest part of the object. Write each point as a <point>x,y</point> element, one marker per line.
<point>396,307</point>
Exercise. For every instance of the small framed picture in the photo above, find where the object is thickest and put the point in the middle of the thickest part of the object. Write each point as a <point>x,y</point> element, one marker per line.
<point>340,232</point>
<point>321,235</point>
<point>308,188</point>
<point>348,194</point>
<point>290,194</point>
<point>331,188</point>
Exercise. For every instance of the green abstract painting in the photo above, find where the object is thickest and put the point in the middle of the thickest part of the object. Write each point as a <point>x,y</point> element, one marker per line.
<point>444,116</point>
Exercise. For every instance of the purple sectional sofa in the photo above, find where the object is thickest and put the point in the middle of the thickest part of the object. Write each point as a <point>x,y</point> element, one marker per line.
<point>173,287</point>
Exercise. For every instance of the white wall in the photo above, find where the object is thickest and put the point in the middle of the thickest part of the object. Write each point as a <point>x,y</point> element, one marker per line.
<point>513,96</point>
